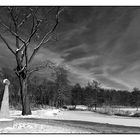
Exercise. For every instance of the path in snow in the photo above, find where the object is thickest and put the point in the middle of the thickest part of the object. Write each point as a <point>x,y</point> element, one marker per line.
<point>101,118</point>
<point>82,116</point>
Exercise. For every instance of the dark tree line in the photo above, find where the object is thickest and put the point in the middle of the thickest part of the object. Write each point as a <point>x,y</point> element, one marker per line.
<point>59,92</point>
<point>93,95</point>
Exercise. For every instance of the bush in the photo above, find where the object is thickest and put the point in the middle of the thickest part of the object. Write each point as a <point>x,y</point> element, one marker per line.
<point>64,107</point>
<point>114,111</point>
<point>123,113</point>
<point>136,115</point>
<point>70,107</point>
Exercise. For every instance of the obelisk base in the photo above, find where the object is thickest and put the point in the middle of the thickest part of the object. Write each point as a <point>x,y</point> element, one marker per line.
<point>6,123</point>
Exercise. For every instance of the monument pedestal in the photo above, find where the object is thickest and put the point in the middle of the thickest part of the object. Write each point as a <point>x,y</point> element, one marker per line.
<point>6,123</point>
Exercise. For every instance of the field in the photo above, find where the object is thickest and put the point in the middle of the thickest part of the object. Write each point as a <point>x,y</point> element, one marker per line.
<point>65,121</point>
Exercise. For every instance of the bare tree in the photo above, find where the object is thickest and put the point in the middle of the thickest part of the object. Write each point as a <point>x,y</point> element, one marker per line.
<point>96,87</point>
<point>32,28</point>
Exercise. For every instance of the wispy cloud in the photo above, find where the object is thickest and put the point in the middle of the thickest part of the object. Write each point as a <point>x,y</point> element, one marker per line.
<point>100,43</point>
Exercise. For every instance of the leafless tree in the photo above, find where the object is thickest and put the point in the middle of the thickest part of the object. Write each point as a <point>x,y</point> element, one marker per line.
<point>32,28</point>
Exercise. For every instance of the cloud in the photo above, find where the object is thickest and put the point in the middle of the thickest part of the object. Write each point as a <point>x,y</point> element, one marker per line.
<point>103,46</point>
<point>99,43</point>
<point>111,83</point>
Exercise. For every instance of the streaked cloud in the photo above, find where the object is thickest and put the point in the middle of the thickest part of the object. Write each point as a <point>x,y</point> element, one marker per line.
<point>100,43</point>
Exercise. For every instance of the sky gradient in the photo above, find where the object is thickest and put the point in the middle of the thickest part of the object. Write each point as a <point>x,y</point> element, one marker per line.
<point>100,43</point>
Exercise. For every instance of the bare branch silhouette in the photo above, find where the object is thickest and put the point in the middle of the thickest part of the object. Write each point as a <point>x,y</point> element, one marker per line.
<point>8,46</point>
<point>48,34</point>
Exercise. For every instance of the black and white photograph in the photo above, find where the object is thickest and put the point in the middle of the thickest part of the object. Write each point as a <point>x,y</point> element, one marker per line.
<point>69,69</point>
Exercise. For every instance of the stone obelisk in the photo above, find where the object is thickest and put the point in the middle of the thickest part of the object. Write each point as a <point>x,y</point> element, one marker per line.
<point>5,120</point>
<point>4,111</point>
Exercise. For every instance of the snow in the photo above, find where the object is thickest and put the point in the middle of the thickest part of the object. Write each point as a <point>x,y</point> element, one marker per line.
<point>29,127</point>
<point>80,116</point>
<point>57,114</point>
<point>81,107</point>
<point>43,113</point>
<point>101,118</point>
<point>39,128</point>
<point>4,119</point>
<point>25,127</point>
<point>128,109</point>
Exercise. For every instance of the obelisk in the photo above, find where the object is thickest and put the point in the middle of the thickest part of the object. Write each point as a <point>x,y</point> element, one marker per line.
<point>4,111</point>
<point>5,120</point>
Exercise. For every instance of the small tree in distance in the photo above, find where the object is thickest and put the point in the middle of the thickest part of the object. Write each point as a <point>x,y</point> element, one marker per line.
<point>136,97</point>
<point>76,95</point>
<point>96,88</point>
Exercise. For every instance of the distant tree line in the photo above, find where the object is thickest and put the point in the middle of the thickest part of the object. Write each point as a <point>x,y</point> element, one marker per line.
<point>59,92</point>
<point>95,96</point>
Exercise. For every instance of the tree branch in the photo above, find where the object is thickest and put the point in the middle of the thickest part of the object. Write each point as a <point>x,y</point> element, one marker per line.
<point>15,17</point>
<point>8,46</point>
<point>36,49</point>
<point>27,42</point>
<point>12,32</point>
<point>49,64</point>
<point>12,16</point>
<point>26,18</point>
<point>26,57</point>
<point>33,23</point>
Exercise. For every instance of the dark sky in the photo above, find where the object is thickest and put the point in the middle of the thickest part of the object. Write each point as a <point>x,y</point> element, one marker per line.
<point>100,43</point>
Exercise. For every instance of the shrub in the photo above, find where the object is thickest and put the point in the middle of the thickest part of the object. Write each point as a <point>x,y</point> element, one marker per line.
<point>136,115</point>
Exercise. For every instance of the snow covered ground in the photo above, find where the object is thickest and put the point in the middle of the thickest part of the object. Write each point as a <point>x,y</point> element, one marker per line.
<point>27,127</point>
<point>128,109</point>
<point>81,107</point>
<point>80,116</point>
<point>56,114</point>
<point>101,118</point>
<point>33,127</point>
<point>41,113</point>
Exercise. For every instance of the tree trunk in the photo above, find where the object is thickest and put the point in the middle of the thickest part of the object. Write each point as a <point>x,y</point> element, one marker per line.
<point>26,110</point>
<point>95,106</point>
